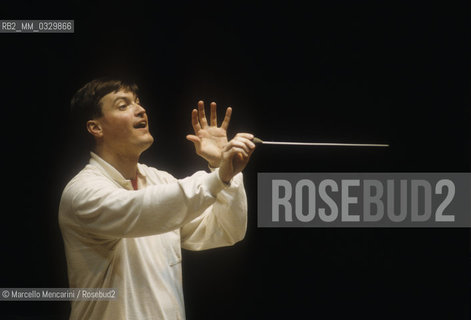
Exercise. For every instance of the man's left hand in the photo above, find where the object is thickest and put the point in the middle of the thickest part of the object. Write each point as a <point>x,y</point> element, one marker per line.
<point>209,139</point>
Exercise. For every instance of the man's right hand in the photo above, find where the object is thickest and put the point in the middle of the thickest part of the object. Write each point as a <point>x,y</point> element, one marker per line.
<point>235,156</point>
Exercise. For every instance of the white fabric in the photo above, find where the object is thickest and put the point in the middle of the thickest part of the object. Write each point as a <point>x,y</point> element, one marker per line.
<point>131,240</point>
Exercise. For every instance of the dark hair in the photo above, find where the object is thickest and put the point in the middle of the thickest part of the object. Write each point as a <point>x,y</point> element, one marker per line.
<point>85,105</point>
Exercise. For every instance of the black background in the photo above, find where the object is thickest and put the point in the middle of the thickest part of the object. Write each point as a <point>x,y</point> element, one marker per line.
<point>353,71</point>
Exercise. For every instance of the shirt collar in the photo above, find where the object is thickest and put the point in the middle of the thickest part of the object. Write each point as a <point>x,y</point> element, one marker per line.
<point>111,171</point>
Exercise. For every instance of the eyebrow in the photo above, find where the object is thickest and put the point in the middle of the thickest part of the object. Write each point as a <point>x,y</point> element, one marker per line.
<point>120,98</point>
<point>125,98</point>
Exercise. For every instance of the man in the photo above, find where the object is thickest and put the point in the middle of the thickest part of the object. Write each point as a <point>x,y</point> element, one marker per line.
<point>124,223</point>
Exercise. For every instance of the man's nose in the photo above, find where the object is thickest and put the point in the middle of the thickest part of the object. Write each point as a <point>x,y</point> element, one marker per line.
<point>139,110</point>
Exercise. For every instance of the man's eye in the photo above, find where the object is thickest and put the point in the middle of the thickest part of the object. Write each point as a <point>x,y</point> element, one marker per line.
<point>122,107</point>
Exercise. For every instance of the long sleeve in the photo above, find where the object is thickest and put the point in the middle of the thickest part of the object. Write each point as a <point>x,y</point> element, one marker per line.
<point>222,224</point>
<point>118,237</point>
<point>99,206</point>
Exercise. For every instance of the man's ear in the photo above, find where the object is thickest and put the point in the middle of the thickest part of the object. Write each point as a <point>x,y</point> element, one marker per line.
<point>94,127</point>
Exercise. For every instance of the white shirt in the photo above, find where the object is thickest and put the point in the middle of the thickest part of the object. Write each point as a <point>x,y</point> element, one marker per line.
<point>131,240</point>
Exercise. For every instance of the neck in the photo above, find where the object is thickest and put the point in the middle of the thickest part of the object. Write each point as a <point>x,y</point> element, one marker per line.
<point>126,164</point>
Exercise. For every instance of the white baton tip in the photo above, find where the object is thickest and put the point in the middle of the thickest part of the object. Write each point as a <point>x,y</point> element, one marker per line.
<point>334,144</point>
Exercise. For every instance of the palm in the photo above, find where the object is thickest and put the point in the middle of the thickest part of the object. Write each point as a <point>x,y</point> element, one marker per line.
<point>209,139</point>
<point>213,140</point>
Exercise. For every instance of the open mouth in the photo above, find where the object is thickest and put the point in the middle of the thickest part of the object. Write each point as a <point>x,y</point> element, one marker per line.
<point>140,125</point>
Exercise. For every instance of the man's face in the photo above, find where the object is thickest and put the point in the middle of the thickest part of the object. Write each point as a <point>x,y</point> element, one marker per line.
<point>123,127</point>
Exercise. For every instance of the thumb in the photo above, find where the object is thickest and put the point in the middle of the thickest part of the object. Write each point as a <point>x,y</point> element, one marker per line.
<point>193,138</point>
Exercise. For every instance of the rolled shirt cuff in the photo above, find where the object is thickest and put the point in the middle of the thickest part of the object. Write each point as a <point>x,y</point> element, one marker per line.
<point>212,169</point>
<point>215,184</point>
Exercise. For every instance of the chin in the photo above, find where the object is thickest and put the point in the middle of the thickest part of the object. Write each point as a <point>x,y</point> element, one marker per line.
<point>146,143</point>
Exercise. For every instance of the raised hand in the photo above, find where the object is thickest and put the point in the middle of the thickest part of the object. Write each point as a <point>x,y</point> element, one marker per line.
<point>209,140</point>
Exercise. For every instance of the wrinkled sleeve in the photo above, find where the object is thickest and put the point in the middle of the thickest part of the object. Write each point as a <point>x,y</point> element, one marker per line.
<point>222,224</point>
<point>101,208</point>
